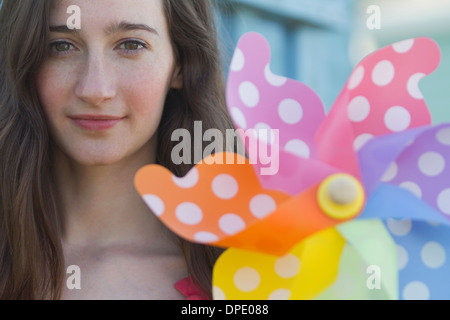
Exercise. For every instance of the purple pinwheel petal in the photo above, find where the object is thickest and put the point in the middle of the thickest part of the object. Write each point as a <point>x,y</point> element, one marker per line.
<point>378,154</point>
<point>423,168</point>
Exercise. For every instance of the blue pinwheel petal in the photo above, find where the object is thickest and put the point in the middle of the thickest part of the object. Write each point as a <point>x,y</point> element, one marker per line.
<point>423,258</point>
<point>389,201</point>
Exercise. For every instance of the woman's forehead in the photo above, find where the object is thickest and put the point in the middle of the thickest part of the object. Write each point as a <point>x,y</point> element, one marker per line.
<point>102,13</point>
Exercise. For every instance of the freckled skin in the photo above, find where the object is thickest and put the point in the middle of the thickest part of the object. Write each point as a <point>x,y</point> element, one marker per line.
<point>121,248</point>
<point>97,76</point>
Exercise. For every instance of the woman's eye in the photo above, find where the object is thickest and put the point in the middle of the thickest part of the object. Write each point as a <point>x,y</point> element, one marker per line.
<point>61,47</point>
<point>133,46</point>
<point>130,47</point>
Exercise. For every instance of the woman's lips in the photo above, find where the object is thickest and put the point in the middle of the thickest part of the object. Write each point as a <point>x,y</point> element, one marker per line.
<point>96,122</point>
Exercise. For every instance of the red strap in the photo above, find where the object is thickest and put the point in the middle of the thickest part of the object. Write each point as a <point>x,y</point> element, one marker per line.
<point>187,288</point>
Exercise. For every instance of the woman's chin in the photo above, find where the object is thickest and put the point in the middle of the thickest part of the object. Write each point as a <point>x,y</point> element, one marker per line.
<point>107,154</point>
<point>96,159</point>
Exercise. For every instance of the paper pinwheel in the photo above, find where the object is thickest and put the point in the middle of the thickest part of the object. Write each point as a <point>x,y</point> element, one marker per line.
<point>358,208</point>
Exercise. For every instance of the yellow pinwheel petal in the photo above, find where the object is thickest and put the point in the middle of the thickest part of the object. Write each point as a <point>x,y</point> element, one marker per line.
<point>320,262</point>
<point>305,271</point>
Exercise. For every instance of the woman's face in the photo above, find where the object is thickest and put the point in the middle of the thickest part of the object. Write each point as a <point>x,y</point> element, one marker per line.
<point>103,86</point>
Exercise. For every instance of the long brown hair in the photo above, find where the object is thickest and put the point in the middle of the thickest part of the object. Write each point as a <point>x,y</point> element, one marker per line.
<point>31,255</point>
<point>193,32</point>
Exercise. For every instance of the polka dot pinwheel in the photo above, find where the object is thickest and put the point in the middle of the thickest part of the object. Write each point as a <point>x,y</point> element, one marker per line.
<point>359,206</point>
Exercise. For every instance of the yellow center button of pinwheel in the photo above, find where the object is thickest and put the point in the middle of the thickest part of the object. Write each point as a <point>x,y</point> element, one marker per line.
<point>341,196</point>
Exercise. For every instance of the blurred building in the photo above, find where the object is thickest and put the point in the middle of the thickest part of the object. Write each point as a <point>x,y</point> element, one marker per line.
<point>319,41</point>
<point>309,38</point>
<point>404,19</point>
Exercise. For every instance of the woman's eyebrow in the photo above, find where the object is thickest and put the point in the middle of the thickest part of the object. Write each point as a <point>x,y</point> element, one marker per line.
<point>127,26</point>
<point>63,29</point>
<point>110,29</point>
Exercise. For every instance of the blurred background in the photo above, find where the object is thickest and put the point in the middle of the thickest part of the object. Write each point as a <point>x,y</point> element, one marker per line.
<point>318,42</point>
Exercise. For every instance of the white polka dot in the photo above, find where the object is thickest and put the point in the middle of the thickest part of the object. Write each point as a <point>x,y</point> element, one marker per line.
<point>402,257</point>
<point>239,118</point>
<point>433,255</point>
<point>443,201</point>
<point>262,205</point>
<point>399,227</point>
<point>403,46</point>
<point>358,109</point>
<point>264,132</point>
<point>412,187</point>
<point>361,141</point>
<point>443,136</point>
<point>249,94</point>
<point>356,78</point>
<point>299,148</point>
<point>218,293</point>
<point>154,203</point>
<point>188,181</point>
<point>231,224</point>
<point>225,186</point>
<point>413,86</point>
<point>205,237</point>
<point>397,119</point>
<point>189,213</point>
<point>290,111</point>
<point>390,173</point>
<point>287,266</point>
<point>238,62</point>
<point>416,290</point>
<point>383,73</point>
<point>246,279</point>
<point>280,294</point>
<point>275,80</point>
<point>431,164</point>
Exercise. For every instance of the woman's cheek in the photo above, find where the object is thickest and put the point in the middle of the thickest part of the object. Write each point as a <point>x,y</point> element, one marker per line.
<point>53,86</point>
<point>146,93</point>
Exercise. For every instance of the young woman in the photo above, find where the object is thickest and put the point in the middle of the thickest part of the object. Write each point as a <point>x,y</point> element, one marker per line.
<point>81,110</point>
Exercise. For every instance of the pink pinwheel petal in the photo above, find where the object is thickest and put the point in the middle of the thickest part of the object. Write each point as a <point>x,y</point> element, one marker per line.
<point>382,96</point>
<point>259,99</point>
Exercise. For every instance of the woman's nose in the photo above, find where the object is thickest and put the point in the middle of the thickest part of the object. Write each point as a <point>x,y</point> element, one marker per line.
<point>95,84</point>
